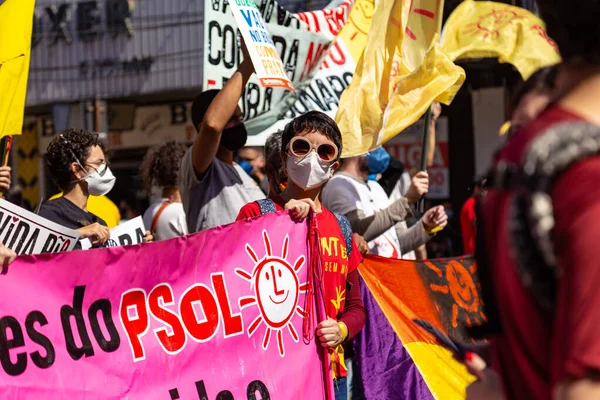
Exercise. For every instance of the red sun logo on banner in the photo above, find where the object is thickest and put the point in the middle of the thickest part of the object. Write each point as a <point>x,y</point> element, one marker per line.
<point>420,11</point>
<point>489,25</point>
<point>277,290</point>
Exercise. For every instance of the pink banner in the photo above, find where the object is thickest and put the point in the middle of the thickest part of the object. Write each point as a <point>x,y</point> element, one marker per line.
<point>217,315</point>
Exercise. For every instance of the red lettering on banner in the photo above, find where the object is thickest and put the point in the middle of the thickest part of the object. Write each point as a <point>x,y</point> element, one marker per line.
<point>232,323</point>
<point>302,17</point>
<point>171,343</point>
<point>313,58</point>
<point>337,54</point>
<point>200,329</point>
<point>199,313</point>
<point>137,325</point>
<point>335,20</point>
<point>316,19</point>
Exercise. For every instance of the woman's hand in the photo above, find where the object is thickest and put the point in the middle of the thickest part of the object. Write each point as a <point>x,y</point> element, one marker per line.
<point>5,178</point>
<point>7,256</point>
<point>299,209</point>
<point>419,186</point>
<point>435,217</point>
<point>487,386</point>
<point>98,234</point>
<point>361,243</point>
<point>148,237</point>
<point>330,333</point>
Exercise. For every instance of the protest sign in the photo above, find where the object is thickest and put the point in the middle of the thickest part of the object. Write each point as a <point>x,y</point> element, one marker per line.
<point>216,315</point>
<point>27,233</point>
<point>261,49</point>
<point>125,234</point>
<point>319,66</point>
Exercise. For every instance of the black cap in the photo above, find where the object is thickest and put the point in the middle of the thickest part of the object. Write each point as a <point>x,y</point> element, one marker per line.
<point>200,106</point>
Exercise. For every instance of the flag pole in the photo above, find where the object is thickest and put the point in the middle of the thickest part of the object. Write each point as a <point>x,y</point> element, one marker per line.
<point>425,150</point>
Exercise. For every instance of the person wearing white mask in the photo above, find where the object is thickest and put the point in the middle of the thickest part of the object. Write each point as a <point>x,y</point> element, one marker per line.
<point>311,145</point>
<point>78,166</point>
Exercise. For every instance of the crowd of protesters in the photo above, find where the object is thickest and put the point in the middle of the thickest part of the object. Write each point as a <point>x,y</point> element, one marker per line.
<point>531,221</point>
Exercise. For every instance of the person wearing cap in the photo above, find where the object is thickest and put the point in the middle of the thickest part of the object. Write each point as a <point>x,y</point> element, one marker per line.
<point>213,188</point>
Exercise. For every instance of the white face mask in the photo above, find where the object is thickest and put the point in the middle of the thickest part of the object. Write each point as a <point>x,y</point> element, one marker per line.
<point>100,181</point>
<point>309,172</point>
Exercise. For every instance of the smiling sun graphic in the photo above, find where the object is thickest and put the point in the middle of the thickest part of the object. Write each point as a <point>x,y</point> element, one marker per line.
<point>277,289</point>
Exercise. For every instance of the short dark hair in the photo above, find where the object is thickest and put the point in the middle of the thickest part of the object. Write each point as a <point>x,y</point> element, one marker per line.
<point>273,151</point>
<point>543,78</point>
<point>200,106</point>
<point>312,121</point>
<point>69,146</point>
<point>573,25</point>
<point>161,165</point>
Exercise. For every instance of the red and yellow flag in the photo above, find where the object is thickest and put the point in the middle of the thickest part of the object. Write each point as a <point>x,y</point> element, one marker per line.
<point>478,29</point>
<point>401,72</point>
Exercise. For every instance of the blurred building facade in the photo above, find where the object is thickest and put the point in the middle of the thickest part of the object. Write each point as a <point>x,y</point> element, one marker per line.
<point>125,68</point>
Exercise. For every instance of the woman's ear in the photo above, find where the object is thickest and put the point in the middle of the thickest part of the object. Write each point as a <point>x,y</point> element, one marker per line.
<point>334,167</point>
<point>75,169</point>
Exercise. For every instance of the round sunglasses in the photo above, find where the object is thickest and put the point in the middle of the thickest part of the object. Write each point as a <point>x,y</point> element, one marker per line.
<point>300,147</point>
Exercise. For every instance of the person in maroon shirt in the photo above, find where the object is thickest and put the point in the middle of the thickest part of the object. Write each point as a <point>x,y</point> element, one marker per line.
<point>311,146</point>
<point>540,235</point>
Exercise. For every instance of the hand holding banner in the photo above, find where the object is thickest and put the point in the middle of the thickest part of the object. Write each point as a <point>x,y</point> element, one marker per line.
<point>265,58</point>
<point>126,234</point>
<point>26,233</point>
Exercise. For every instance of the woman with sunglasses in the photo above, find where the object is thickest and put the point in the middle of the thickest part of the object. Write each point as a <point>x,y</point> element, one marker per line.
<point>311,145</point>
<point>78,166</point>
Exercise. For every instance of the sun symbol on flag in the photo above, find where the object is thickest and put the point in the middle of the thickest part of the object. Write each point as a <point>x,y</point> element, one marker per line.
<point>277,289</point>
<point>490,24</point>
<point>460,285</point>
<point>417,10</point>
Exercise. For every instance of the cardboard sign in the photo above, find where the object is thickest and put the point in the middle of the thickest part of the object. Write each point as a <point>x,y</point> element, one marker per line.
<point>26,233</point>
<point>223,314</point>
<point>126,234</point>
<point>267,63</point>
<point>319,65</point>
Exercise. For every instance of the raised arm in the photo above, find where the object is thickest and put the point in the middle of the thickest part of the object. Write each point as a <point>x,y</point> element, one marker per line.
<point>220,113</point>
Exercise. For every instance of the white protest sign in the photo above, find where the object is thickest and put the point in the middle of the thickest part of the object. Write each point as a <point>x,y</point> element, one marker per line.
<point>26,233</point>
<point>319,67</point>
<point>128,233</point>
<point>267,63</point>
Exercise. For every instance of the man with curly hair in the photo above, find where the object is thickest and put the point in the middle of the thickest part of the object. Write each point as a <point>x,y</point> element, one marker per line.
<point>213,187</point>
<point>160,168</point>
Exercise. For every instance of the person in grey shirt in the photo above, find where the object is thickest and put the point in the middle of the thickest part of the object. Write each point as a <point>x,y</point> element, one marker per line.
<point>213,188</point>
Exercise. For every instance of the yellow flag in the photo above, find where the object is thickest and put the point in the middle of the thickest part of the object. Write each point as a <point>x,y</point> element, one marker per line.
<point>400,73</point>
<point>16,23</point>
<point>354,33</point>
<point>478,29</point>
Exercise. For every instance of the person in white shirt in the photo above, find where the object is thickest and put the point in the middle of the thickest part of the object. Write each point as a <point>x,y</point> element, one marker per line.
<point>165,218</point>
<point>371,212</point>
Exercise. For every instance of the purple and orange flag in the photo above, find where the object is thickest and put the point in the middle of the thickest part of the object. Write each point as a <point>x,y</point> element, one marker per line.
<point>400,360</point>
